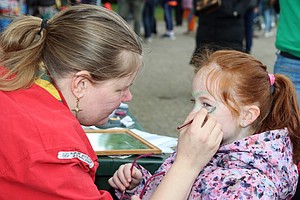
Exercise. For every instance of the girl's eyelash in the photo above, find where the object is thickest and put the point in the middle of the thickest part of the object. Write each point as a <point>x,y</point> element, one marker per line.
<point>206,105</point>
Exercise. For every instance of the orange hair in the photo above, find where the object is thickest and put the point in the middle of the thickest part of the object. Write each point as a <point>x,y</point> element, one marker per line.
<point>240,79</point>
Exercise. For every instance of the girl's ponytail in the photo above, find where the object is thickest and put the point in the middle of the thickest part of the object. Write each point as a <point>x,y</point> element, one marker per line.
<point>285,112</point>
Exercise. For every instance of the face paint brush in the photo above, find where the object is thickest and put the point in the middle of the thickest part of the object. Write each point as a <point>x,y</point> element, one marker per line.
<point>189,122</point>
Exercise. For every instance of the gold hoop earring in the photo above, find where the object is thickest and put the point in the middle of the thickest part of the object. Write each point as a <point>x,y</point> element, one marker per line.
<point>77,109</point>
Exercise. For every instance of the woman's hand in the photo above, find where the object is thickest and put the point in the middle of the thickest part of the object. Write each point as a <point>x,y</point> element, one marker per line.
<point>199,141</point>
<point>124,179</point>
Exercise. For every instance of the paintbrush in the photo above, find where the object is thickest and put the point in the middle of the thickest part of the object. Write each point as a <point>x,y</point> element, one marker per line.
<point>189,122</point>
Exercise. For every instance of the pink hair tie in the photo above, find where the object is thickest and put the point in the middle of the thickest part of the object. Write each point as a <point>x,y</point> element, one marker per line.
<point>272,79</point>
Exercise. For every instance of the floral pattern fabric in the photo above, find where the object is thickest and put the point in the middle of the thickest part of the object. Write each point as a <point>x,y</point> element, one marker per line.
<point>257,167</point>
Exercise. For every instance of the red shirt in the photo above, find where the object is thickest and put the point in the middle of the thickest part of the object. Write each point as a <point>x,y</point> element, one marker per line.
<point>44,154</point>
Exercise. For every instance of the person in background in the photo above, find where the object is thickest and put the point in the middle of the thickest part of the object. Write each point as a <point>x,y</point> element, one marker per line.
<point>288,54</point>
<point>260,147</point>
<point>178,12</point>
<point>168,6</point>
<point>221,28</point>
<point>149,21</point>
<point>249,24</point>
<point>8,11</point>
<point>267,12</point>
<point>276,7</point>
<point>188,14</point>
<point>132,10</point>
<point>287,42</point>
<point>31,7</point>
<point>47,8</point>
<point>74,69</point>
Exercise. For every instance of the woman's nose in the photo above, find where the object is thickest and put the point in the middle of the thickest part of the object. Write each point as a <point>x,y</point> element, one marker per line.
<point>127,96</point>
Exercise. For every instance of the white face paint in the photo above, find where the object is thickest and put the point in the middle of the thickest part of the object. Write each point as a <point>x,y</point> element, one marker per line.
<point>199,105</point>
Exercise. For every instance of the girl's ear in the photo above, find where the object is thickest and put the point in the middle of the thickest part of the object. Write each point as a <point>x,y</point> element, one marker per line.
<point>79,83</point>
<point>249,115</point>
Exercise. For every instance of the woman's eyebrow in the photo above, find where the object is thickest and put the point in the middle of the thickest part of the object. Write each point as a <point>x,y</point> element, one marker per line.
<point>128,86</point>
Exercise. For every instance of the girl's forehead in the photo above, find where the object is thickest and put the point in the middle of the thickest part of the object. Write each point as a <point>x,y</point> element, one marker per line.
<point>199,82</point>
<point>204,85</point>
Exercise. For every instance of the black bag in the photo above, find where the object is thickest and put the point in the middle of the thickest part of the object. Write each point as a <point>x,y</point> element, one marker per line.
<point>206,6</point>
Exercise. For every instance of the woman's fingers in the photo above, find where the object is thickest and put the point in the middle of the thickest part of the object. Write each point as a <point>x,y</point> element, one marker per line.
<point>214,134</point>
<point>193,118</point>
<point>199,141</point>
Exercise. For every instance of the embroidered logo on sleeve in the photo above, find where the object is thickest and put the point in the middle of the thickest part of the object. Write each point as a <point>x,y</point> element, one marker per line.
<point>75,154</point>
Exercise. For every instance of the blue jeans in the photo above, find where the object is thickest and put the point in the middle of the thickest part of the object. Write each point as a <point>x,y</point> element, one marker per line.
<point>168,15</point>
<point>248,24</point>
<point>149,17</point>
<point>290,68</point>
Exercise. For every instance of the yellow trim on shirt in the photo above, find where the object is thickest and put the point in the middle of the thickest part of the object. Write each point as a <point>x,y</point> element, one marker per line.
<point>49,87</point>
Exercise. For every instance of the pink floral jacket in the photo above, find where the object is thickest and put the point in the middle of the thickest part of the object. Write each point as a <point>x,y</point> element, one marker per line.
<point>256,167</point>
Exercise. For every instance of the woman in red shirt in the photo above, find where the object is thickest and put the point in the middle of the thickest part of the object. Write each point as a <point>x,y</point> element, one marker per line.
<point>57,75</point>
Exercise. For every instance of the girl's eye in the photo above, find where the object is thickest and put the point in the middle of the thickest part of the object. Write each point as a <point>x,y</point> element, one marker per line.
<point>206,105</point>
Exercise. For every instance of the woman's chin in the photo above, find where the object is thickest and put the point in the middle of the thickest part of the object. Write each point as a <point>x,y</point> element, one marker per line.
<point>99,123</point>
<point>102,122</point>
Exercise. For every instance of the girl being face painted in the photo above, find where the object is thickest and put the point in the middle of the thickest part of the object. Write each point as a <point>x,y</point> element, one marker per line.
<point>215,106</point>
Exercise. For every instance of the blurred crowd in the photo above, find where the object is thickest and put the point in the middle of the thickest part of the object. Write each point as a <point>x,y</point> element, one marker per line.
<point>259,14</point>
<point>231,25</point>
<point>44,9</point>
<point>220,28</point>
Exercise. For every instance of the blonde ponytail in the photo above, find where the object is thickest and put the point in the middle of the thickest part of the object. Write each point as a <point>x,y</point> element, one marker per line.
<point>20,53</point>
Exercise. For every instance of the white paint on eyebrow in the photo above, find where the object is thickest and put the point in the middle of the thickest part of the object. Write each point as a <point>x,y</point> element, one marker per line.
<point>196,94</point>
<point>198,106</point>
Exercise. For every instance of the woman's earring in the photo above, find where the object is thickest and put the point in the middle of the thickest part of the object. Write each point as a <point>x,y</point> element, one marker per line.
<point>244,124</point>
<point>77,109</point>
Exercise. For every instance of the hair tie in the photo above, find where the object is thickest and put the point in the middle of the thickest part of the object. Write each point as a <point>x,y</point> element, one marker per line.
<point>271,79</point>
<point>43,26</point>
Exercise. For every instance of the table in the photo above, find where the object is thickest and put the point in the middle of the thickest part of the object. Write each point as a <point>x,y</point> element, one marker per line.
<point>108,165</point>
<point>136,125</point>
